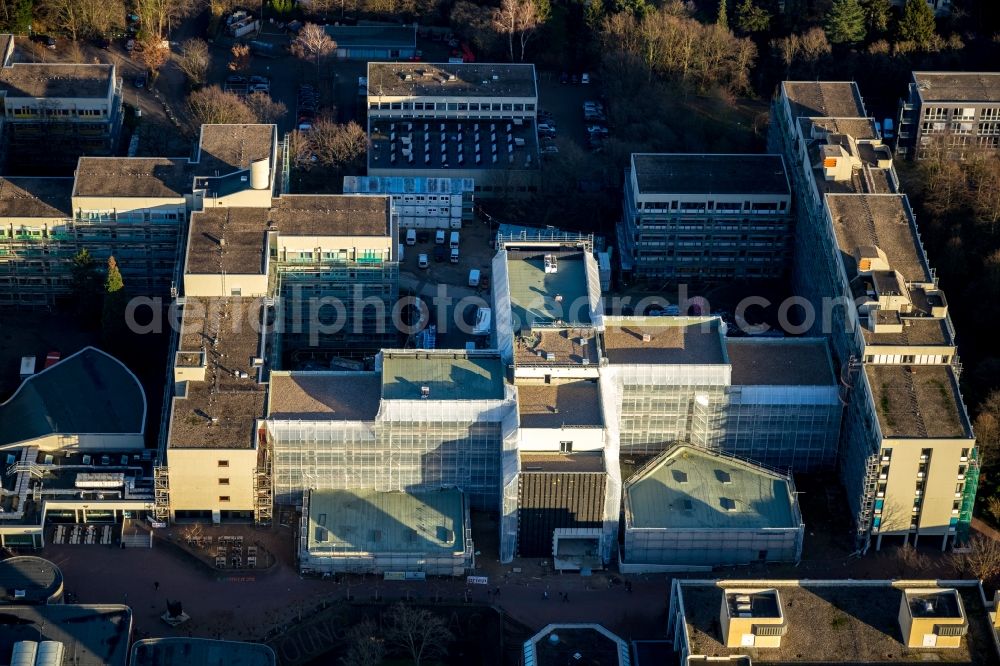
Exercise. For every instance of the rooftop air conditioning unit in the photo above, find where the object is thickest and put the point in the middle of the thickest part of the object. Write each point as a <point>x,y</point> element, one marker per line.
<point>425,392</point>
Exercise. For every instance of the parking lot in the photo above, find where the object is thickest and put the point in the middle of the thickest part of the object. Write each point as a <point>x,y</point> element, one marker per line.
<point>443,285</point>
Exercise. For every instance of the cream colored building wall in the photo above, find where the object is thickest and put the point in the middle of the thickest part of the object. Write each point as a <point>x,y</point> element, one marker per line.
<point>383,244</point>
<point>195,475</point>
<point>125,204</point>
<point>248,198</point>
<point>918,632</point>
<point>941,483</point>
<point>548,439</point>
<point>35,223</point>
<point>223,285</point>
<point>740,629</point>
<point>924,354</point>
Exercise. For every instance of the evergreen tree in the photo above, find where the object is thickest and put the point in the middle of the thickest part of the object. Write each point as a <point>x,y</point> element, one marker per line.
<point>723,17</point>
<point>845,22</point>
<point>113,315</point>
<point>86,287</point>
<point>877,15</point>
<point>593,14</point>
<point>751,18</point>
<point>917,23</point>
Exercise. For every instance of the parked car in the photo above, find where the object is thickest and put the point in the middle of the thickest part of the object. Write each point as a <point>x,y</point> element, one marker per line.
<point>551,149</point>
<point>140,81</point>
<point>422,261</point>
<point>600,130</point>
<point>46,41</point>
<point>585,78</point>
<point>129,45</point>
<point>236,78</point>
<point>259,79</point>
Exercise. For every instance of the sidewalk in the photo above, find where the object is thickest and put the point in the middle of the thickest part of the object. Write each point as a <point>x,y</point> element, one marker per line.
<point>243,607</point>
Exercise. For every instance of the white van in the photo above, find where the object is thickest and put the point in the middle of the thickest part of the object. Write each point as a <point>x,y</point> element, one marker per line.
<point>474,277</point>
<point>439,237</point>
<point>411,236</point>
<point>454,240</point>
<point>484,317</point>
<point>454,255</point>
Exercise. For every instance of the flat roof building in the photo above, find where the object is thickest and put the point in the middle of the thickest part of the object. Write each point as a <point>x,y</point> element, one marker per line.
<point>418,202</point>
<point>200,652</point>
<point>367,531</point>
<point>87,635</point>
<point>860,262</point>
<point>707,217</point>
<point>957,113</point>
<point>30,580</point>
<point>830,622</point>
<point>69,108</point>
<point>690,507</point>
<point>373,42</point>
<point>455,120</point>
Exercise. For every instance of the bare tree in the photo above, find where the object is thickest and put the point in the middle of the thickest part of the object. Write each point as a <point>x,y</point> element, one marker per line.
<point>984,175</point>
<point>520,18</point>
<point>212,105</point>
<point>266,109</point>
<point>982,559</point>
<point>475,23</point>
<point>987,428</point>
<point>336,145</point>
<point>103,17</point>
<point>194,60</point>
<point>64,15</point>
<point>241,58</point>
<point>911,561</point>
<point>418,632</point>
<point>158,16</point>
<point>313,42</point>
<point>365,646</point>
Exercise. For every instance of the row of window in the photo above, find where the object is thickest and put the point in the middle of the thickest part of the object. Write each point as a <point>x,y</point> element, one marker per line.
<point>450,106</point>
<point>986,129</point>
<point>720,206</point>
<point>28,112</point>
<point>961,113</point>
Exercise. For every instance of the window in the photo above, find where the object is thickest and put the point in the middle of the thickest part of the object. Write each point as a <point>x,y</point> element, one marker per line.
<point>223,482</point>
<point>223,498</point>
<point>727,503</point>
<point>223,463</point>
<point>565,447</point>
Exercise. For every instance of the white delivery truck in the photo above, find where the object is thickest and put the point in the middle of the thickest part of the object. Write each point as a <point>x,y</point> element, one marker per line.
<point>484,318</point>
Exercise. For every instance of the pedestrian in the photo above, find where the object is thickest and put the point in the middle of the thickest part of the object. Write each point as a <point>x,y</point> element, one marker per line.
<point>545,595</point>
<point>566,597</point>
<point>156,585</point>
